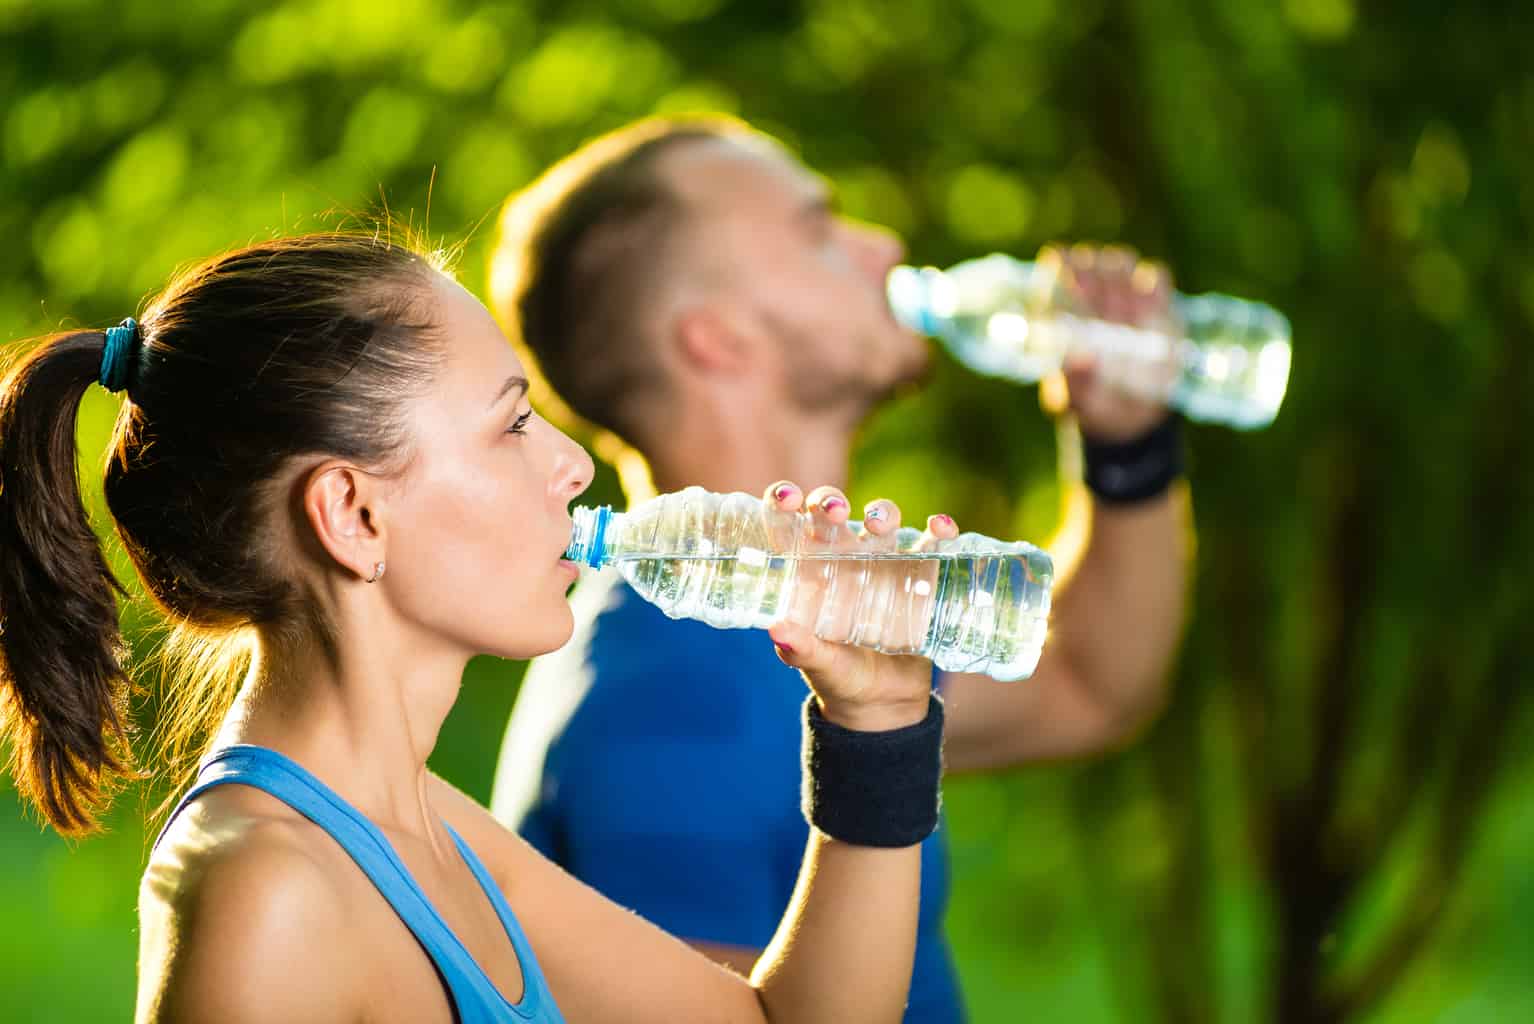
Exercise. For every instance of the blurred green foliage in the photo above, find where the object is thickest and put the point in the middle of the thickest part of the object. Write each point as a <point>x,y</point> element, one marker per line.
<point>1335,818</point>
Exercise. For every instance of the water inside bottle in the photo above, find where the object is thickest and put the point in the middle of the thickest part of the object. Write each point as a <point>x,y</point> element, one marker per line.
<point>968,612</point>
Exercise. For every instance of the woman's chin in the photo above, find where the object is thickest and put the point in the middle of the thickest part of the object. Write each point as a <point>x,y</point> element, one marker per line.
<point>546,637</point>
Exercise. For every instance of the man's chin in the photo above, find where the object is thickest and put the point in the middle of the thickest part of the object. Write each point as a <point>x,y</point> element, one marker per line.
<point>912,378</point>
<point>915,372</point>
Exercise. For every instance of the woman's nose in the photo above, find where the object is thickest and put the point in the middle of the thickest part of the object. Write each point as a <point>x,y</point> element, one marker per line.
<point>578,471</point>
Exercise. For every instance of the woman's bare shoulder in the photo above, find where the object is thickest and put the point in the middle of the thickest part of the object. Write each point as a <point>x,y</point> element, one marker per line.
<point>243,913</point>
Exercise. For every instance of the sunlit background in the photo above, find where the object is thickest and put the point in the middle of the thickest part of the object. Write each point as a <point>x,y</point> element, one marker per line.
<point>1335,819</point>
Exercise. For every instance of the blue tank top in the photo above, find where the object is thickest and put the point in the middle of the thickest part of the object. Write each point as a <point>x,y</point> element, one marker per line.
<point>474,998</point>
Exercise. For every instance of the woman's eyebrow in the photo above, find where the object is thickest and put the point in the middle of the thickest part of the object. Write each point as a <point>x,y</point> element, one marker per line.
<point>512,383</point>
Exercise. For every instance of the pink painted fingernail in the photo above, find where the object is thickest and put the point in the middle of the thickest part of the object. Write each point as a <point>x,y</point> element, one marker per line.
<point>833,503</point>
<point>945,518</point>
<point>785,649</point>
<point>783,491</point>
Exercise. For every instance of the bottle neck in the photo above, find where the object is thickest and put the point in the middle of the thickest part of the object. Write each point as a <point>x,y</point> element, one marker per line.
<point>591,537</point>
<point>926,299</point>
<point>916,297</point>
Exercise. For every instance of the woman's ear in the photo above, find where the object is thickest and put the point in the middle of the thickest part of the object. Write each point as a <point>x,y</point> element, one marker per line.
<point>344,508</point>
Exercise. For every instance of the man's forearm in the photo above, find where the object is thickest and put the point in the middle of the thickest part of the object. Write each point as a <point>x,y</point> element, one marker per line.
<point>1119,610</point>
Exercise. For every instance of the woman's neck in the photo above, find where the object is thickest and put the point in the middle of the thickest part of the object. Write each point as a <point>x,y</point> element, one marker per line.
<point>362,720</point>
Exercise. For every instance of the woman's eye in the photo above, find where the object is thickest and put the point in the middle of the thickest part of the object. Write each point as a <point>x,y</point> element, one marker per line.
<point>519,426</point>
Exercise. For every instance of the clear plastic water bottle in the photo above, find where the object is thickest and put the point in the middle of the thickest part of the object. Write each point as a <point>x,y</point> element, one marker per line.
<point>971,604</point>
<point>1228,363</point>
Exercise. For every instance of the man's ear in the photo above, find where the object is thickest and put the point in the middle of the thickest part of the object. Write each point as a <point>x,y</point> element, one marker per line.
<point>343,506</point>
<point>707,340</point>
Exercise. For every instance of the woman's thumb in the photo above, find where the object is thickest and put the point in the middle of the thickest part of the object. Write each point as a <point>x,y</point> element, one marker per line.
<point>797,645</point>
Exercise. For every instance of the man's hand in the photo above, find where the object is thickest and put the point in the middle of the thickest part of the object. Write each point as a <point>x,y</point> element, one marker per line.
<point>1107,283</point>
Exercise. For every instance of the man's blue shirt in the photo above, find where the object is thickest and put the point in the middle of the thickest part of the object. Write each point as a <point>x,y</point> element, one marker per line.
<point>670,757</point>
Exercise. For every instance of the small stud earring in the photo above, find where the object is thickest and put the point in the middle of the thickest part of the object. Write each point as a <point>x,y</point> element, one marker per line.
<point>378,571</point>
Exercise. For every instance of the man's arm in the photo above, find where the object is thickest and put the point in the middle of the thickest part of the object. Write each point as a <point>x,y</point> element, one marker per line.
<point>1117,618</point>
<point>1121,570</point>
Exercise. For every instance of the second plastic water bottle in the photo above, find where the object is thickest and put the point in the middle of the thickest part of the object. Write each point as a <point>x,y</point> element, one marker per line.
<point>1226,362</point>
<point>971,604</point>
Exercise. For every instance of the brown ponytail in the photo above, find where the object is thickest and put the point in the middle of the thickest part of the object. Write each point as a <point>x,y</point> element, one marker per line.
<point>62,687</point>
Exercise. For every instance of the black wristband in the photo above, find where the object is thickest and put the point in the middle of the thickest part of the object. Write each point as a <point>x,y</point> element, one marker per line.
<point>1124,472</point>
<point>873,788</point>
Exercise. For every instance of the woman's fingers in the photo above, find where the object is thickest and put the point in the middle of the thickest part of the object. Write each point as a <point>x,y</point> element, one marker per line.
<point>834,671</point>
<point>942,526</point>
<point>829,508</point>
<point>797,645</point>
<point>829,504</point>
<point>881,517</point>
<point>784,495</point>
<point>854,683</point>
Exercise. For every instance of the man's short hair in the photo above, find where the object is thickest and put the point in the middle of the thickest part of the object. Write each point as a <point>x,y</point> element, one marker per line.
<point>577,253</point>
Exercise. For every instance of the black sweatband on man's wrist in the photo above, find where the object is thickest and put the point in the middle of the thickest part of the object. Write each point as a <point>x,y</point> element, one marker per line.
<point>873,788</point>
<point>1124,472</point>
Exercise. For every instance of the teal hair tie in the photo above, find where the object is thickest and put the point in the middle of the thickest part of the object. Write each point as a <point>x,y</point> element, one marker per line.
<point>122,340</point>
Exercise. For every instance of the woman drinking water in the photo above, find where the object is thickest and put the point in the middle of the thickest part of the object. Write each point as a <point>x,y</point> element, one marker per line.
<point>328,478</point>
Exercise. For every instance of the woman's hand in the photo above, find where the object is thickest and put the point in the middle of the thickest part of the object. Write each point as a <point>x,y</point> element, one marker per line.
<point>858,688</point>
